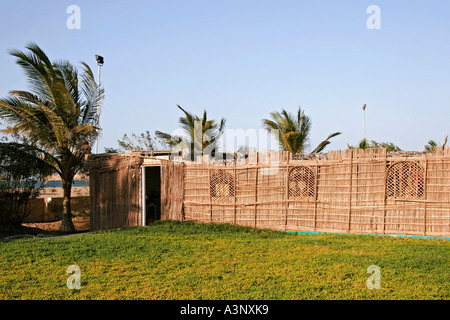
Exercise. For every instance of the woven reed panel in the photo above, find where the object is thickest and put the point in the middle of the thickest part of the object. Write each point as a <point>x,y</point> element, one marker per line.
<point>302,183</point>
<point>405,180</point>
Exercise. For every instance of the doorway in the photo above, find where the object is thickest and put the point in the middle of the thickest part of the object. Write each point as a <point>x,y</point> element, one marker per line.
<point>151,194</point>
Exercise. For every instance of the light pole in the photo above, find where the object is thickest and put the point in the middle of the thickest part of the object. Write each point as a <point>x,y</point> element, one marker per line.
<point>364,121</point>
<point>99,63</point>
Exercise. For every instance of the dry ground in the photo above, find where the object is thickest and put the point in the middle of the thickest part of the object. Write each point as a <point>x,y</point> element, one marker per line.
<point>81,225</point>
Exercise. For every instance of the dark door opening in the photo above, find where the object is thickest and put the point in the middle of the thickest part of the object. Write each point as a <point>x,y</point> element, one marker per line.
<point>152,194</point>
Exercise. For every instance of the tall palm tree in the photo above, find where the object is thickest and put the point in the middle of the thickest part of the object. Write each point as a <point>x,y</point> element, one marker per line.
<point>59,114</point>
<point>199,134</point>
<point>293,131</point>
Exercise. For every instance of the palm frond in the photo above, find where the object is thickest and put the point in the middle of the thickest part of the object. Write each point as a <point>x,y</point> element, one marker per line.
<point>168,139</point>
<point>93,95</point>
<point>38,71</point>
<point>325,142</point>
<point>67,76</point>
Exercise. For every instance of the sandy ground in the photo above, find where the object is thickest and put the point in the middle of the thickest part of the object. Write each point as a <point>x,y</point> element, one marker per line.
<point>81,225</point>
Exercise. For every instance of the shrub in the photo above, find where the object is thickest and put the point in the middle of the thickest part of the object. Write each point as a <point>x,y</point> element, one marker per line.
<point>20,174</point>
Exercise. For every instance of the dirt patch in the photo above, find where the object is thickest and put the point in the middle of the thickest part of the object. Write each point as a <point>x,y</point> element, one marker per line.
<point>48,228</point>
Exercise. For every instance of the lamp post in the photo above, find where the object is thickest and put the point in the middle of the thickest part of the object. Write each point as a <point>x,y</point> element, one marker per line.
<point>99,63</point>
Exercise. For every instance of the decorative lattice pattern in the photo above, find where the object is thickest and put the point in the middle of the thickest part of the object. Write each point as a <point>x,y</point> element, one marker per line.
<point>302,182</point>
<point>222,186</point>
<point>405,180</point>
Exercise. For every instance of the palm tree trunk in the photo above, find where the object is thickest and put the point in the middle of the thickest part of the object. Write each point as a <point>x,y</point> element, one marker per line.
<point>66,221</point>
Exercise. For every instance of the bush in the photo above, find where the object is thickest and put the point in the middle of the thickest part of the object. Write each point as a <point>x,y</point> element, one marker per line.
<point>20,173</point>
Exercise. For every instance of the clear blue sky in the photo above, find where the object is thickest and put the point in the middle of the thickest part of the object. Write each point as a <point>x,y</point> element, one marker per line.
<point>244,59</point>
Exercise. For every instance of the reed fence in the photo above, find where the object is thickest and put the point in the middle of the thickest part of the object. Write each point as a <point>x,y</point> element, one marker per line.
<point>351,191</point>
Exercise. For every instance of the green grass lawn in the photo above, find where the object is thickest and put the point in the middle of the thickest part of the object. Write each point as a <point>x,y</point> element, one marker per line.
<point>174,260</point>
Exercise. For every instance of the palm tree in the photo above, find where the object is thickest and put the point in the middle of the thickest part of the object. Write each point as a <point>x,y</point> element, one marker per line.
<point>200,134</point>
<point>59,114</point>
<point>432,145</point>
<point>365,144</point>
<point>293,131</point>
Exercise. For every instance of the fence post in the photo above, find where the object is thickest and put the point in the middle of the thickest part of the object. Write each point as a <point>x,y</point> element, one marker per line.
<point>286,197</point>
<point>350,193</point>
<point>210,197</point>
<point>256,193</point>
<point>316,197</point>
<point>384,194</point>
<point>425,197</point>
<point>235,192</point>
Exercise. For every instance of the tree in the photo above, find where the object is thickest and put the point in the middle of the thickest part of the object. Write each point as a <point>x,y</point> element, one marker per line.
<point>432,145</point>
<point>200,134</point>
<point>59,114</point>
<point>141,142</point>
<point>20,172</point>
<point>389,146</point>
<point>365,144</point>
<point>293,131</point>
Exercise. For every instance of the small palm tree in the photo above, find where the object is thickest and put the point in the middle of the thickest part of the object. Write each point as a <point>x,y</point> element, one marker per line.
<point>59,114</point>
<point>432,145</point>
<point>363,144</point>
<point>200,134</point>
<point>293,131</point>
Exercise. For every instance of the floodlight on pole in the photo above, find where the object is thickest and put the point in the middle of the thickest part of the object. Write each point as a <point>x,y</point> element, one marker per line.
<point>99,60</point>
<point>99,63</point>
